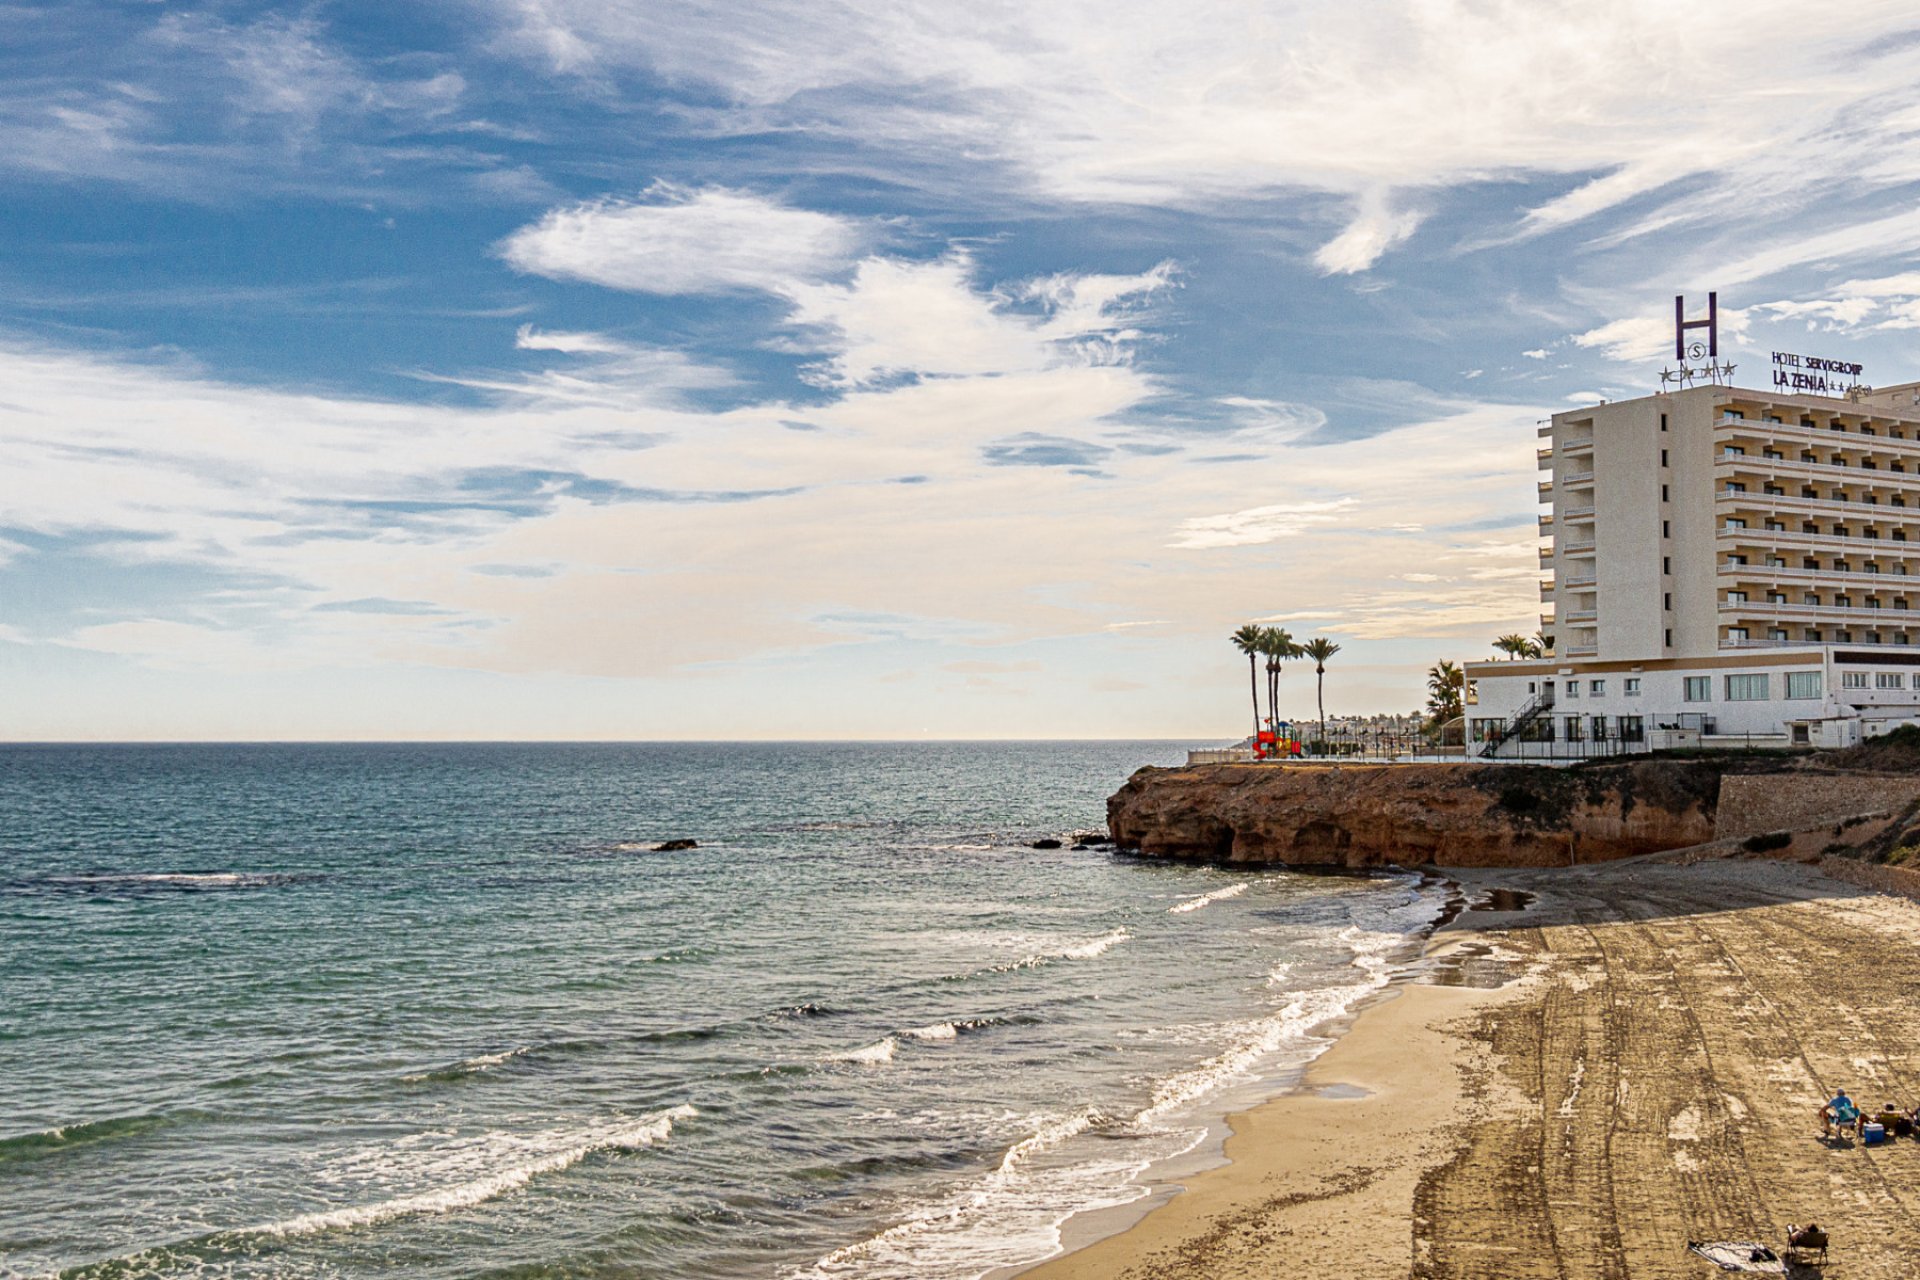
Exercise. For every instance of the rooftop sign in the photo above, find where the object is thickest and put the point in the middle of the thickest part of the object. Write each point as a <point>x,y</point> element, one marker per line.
<point>1814,375</point>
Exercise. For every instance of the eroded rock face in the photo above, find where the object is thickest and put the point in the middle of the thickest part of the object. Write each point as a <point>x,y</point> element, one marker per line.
<point>1358,815</point>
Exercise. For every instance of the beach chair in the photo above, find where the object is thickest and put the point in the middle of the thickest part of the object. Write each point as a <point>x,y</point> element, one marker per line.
<point>1845,1120</point>
<point>1802,1242</point>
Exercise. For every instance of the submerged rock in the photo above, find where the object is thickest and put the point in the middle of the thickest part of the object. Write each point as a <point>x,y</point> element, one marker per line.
<point>1045,844</point>
<point>675,846</point>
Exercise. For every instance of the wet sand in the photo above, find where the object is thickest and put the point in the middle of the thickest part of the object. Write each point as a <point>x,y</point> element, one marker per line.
<point>1648,1075</point>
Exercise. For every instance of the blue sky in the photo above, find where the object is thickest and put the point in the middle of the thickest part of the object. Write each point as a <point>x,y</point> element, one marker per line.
<point>570,368</point>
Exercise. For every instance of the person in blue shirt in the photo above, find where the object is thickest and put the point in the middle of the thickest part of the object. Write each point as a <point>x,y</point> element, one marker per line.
<point>1839,1113</point>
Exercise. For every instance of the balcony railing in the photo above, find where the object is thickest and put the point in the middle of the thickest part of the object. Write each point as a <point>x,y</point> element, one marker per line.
<point>1578,480</point>
<point>1545,456</point>
<point>1850,438</point>
<point>1583,547</point>
<point>1576,617</point>
<point>1851,542</point>
<point>1546,491</point>
<point>1574,584</point>
<point>1817,612</point>
<point>1854,577</point>
<point>1576,514</point>
<point>1762,501</point>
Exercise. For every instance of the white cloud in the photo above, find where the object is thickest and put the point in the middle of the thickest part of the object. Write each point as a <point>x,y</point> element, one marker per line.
<point>1139,102</point>
<point>1374,230</point>
<point>528,338</point>
<point>927,318</point>
<point>686,241</point>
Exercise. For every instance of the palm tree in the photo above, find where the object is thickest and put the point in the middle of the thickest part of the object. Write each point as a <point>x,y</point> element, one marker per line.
<point>1515,646</point>
<point>1248,640</point>
<point>1542,644</point>
<point>1277,643</point>
<point>1446,691</point>
<point>1320,649</point>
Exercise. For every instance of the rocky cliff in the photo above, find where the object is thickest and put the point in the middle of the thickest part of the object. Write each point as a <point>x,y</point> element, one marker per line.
<point>1359,815</point>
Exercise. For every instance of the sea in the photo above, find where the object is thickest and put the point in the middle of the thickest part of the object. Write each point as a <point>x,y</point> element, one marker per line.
<point>444,1010</point>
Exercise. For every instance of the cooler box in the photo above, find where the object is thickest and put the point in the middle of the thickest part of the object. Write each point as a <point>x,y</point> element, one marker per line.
<point>1873,1133</point>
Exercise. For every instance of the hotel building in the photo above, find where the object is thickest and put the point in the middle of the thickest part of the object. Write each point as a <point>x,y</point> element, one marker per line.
<point>1725,567</point>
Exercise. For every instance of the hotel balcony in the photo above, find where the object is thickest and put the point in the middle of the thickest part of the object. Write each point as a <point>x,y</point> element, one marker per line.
<point>1762,504</point>
<point>1546,591</point>
<point>1891,436</point>
<point>1577,515</point>
<point>1546,526</point>
<point>1583,547</point>
<point>1582,617</point>
<point>1756,577</point>
<point>1546,491</point>
<point>1544,456</point>
<point>1546,557</point>
<point>1577,480</point>
<point>1845,544</point>
<point>1573,449</point>
<point>1578,582</point>
<point>1546,622</point>
<point>1756,472</point>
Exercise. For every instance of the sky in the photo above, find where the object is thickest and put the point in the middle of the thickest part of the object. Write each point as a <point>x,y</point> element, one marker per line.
<point>664,369</point>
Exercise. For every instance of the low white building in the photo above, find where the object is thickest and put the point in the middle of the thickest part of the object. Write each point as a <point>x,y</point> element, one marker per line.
<point>1726,567</point>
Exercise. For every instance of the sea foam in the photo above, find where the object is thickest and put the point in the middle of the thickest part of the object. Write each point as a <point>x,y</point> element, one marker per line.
<point>646,1131</point>
<point>1218,895</point>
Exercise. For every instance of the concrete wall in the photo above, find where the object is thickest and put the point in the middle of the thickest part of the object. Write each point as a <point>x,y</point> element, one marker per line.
<point>1789,801</point>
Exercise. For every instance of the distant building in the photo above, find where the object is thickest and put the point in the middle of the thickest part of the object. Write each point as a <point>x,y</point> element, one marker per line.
<point>1726,566</point>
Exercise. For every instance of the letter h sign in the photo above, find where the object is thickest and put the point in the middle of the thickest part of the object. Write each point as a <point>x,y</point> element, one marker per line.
<point>1681,324</point>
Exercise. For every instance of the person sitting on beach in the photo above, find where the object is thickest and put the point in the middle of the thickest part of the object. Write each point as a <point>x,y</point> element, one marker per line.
<point>1839,1113</point>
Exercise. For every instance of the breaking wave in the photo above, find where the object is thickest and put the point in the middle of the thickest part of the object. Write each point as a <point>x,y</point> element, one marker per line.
<point>1218,895</point>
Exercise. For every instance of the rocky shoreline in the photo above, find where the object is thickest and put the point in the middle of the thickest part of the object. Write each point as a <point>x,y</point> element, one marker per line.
<point>1361,816</point>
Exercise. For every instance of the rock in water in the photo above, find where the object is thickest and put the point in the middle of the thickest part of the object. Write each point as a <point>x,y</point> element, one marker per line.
<point>1046,844</point>
<point>675,846</point>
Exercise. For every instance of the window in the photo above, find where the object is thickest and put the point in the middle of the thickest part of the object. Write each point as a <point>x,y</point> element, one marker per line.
<point>1776,597</point>
<point>1669,639</point>
<point>1889,680</point>
<point>1632,729</point>
<point>1738,635</point>
<point>1698,689</point>
<point>1812,598</point>
<point>1853,679</point>
<point>1597,688</point>
<point>1666,601</point>
<point>1734,486</point>
<point>1726,451</point>
<point>1736,559</point>
<point>1776,526</point>
<point>1573,688</point>
<point>1663,494</point>
<point>1666,527</point>
<point>1573,728</point>
<point>1632,686</point>
<point>1599,728</point>
<point>1663,422</point>
<point>1843,601</point>
<point>1666,564</point>
<point>1803,684</point>
<point>1812,635</point>
<point>1736,597</point>
<point>1777,634</point>
<point>1751,688</point>
<point>1733,522</point>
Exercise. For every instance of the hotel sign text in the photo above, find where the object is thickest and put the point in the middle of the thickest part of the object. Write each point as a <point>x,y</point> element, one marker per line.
<point>1813,374</point>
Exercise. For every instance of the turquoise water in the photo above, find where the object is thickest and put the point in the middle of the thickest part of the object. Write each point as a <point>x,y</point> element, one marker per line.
<point>439,1011</point>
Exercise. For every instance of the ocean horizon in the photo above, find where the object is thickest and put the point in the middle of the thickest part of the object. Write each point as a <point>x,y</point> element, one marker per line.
<point>442,1009</point>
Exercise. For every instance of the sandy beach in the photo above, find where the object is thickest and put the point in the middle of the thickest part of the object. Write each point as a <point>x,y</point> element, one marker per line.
<point>1647,1073</point>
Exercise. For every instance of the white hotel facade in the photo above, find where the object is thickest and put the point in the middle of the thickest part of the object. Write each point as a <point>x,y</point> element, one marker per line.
<point>1726,567</point>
